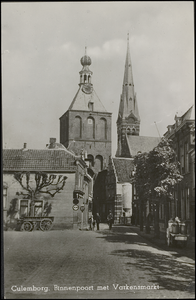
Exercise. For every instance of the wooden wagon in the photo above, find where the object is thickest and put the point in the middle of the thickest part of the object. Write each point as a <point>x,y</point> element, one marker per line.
<point>33,223</point>
<point>33,217</point>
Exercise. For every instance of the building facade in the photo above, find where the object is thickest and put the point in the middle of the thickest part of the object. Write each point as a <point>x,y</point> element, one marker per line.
<point>54,160</point>
<point>182,133</point>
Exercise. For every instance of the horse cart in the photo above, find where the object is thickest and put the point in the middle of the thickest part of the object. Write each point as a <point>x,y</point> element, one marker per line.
<point>176,233</point>
<point>33,217</point>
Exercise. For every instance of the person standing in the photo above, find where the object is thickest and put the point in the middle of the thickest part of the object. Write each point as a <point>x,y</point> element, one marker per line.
<point>110,219</point>
<point>93,221</point>
<point>90,221</point>
<point>98,220</point>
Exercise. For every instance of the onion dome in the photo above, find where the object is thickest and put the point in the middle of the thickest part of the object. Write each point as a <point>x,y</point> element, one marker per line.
<point>85,60</point>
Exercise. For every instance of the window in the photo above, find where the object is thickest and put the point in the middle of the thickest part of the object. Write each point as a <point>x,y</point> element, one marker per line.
<point>90,121</point>
<point>128,130</point>
<point>24,208</point>
<point>38,208</point>
<point>91,160</point>
<point>133,131</point>
<point>4,197</point>
<point>186,150</point>
<point>187,204</point>
<point>182,159</point>
<point>99,163</point>
<point>161,211</point>
<point>77,127</point>
<point>90,130</point>
<point>102,129</point>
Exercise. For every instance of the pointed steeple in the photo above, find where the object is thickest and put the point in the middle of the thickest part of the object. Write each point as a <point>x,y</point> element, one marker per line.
<point>128,122</point>
<point>128,102</point>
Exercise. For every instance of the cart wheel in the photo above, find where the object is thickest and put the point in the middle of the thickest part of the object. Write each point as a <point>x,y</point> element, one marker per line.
<point>45,224</point>
<point>26,226</point>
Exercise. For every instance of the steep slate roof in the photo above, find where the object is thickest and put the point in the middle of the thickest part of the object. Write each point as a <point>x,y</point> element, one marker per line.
<point>123,168</point>
<point>81,101</point>
<point>38,160</point>
<point>141,143</point>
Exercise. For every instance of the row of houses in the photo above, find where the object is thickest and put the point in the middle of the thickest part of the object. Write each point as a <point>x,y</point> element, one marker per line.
<point>120,195</point>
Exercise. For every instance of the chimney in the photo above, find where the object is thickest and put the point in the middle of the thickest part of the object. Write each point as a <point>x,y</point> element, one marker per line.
<point>25,147</point>
<point>52,140</point>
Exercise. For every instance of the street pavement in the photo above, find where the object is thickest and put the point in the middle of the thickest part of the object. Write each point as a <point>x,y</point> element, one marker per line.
<point>104,264</point>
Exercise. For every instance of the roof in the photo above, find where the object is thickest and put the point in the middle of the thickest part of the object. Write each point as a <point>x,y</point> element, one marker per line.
<point>81,101</point>
<point>38,160</point>
<point>128,100</point>
<point>141,143</point>
<point>189,114</point>
<point>187,118</point>
<point>123,168</point>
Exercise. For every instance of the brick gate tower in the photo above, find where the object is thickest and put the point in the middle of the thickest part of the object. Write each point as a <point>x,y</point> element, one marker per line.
<point>86,125</point>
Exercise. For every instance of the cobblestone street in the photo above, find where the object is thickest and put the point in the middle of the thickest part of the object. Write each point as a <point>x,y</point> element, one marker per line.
<point>93,264</point>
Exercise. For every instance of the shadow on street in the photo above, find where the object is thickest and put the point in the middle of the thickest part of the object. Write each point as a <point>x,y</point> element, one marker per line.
<point>160,264</point>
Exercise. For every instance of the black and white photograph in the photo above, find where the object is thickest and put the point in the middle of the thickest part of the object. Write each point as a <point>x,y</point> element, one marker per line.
<point>98,138</point>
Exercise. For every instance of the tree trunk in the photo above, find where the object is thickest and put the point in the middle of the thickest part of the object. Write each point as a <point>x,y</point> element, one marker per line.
<point>156,229</point>
<point>136,215</point>
<point>166,212</point>
<point>141,215</point>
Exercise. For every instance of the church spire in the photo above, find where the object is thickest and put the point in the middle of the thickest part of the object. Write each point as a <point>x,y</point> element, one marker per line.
<point>128,103</point>
<point>128,122</point>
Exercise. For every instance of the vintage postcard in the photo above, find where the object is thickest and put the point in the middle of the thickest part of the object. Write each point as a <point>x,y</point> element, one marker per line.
<point>98,150</point>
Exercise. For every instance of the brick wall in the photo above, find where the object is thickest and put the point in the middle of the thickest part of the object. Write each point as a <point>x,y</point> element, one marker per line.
<point>91,137</point>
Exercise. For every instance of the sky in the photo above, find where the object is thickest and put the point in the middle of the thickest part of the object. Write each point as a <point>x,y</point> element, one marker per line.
<point>43,42</point>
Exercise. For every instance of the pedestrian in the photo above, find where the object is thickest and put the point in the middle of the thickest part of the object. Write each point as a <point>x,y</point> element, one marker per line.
<point>93,221</point>
<point>98,219</point>
<point>90,222</point>
<point>110,219</point>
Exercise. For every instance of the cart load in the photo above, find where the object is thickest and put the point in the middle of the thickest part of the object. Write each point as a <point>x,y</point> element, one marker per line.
<point>176,232</point>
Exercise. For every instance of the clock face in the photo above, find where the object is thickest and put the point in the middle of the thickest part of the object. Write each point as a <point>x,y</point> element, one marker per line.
<point>87,88</point>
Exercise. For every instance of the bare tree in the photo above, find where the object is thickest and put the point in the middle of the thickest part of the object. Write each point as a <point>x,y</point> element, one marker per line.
<point>41,183</point>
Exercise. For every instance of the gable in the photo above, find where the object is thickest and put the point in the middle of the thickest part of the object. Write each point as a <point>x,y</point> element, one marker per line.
<point>131,117</point>
<point>85,102</point>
